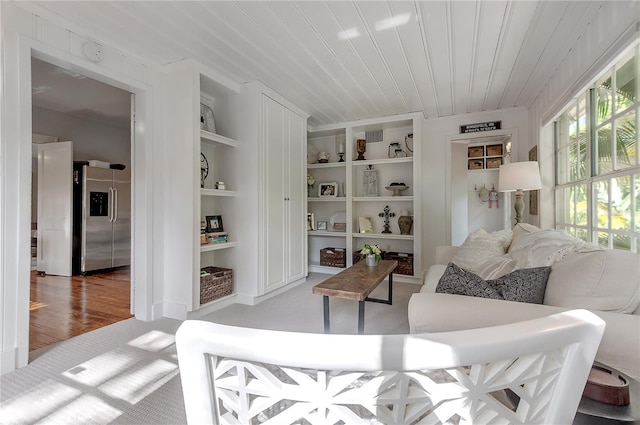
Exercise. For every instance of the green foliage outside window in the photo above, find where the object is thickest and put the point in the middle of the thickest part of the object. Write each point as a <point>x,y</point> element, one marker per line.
<point>609,186</point>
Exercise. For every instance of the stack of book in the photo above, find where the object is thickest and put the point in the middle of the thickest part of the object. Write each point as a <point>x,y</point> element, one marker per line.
<point>217,237</point>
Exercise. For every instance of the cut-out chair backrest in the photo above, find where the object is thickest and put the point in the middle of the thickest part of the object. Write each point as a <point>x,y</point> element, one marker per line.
<point>527,372</point>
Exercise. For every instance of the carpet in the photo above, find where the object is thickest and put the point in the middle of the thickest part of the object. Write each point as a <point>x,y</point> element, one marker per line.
<point>127,373</point>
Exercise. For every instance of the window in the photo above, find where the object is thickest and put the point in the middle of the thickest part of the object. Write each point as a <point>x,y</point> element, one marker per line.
<point>598,162</point>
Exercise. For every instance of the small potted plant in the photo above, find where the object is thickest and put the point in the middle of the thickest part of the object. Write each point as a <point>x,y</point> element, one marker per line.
<point>371,254</point>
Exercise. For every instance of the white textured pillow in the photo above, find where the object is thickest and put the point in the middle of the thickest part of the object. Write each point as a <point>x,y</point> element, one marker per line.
<point>545,248</point>
<point>481,246</point>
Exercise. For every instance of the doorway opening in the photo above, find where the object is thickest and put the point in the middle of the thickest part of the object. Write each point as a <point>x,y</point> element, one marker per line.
<point>81,257</point>
<point>474,201</point>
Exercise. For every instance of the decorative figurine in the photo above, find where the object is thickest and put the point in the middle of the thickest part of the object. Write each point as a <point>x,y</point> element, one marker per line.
<point>386,213</point>
<point>361,148</point>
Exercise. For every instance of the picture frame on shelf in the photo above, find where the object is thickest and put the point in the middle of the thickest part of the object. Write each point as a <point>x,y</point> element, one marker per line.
<point>207,121</point>
<point>328,190</point>
<point>214,224</point>
<point>310,221</point>
<point>365,225</point>
<point>322,225</point>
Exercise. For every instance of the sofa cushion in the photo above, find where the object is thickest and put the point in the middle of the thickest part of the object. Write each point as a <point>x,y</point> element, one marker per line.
<point>481,246</point>
<point>427,313</point>
<point>605,280</point>
<point>525,285</point>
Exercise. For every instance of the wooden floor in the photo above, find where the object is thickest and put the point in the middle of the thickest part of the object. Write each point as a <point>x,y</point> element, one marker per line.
<point>64,307</point>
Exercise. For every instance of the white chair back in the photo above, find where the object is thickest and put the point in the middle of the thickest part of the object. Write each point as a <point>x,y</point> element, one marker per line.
<point>527,372</point>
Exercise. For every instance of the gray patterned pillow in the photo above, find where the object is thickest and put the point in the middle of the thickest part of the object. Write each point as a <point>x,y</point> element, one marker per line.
<point>523,285</point>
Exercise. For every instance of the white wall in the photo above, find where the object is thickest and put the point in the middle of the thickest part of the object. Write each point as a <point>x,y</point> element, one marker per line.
<point>23,34</point>
<point>91,139</point>
<point>437,135</point>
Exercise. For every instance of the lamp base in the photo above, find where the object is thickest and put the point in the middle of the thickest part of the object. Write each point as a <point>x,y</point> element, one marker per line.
<point>519,205</point>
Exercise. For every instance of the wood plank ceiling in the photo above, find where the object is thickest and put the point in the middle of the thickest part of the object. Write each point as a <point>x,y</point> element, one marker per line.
<point>342,61</point>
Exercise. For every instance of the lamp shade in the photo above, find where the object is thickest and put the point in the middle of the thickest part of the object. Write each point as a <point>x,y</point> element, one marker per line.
<point>519,176</point>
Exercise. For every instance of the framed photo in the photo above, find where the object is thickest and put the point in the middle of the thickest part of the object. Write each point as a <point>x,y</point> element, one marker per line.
<point>214,224</point>
<point>328,190</point>
<point>310,222</point>
<point>322,225</point>
<point>365,225</point>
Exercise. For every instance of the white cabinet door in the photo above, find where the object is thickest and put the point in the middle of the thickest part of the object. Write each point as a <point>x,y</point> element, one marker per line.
<point>297,186</point>
<point>274,193</point>
<point>55,199</point>
<point>283,190</point>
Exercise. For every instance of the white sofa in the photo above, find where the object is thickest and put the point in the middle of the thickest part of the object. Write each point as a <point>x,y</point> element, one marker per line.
<point>606,282</point>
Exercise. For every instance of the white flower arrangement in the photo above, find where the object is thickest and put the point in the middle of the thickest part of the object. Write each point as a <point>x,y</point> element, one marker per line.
<point>310,180</point>
<point>371,250</point>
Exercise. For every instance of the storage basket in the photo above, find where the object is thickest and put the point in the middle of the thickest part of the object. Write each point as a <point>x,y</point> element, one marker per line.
<point>333,257</point>
<point>217,284</point>
<point>405,262</point>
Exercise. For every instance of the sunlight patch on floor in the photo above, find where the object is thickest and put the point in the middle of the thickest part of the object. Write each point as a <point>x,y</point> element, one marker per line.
<point>36,305</point>
<point>47,396</point>
<point>133,386</point>
<point>153,341</point>
<point>87,409</point>
<point>101,368</point>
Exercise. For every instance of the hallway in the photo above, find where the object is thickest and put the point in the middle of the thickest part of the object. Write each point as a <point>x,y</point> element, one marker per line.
<point>63,307</point>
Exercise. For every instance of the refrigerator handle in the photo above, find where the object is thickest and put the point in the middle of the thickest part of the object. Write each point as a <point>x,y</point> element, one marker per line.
<point>111,195</point>
<point>115,204</point>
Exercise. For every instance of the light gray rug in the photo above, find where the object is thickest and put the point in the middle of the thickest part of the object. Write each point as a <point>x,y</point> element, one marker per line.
<point>127,373</point>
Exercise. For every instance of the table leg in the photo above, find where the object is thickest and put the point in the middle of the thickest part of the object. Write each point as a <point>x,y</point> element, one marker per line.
<point>389,299</point>
<point>360,317</point>
<point>325,306</point>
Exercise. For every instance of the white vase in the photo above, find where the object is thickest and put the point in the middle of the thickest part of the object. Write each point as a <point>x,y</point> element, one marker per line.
<point>370,260</point>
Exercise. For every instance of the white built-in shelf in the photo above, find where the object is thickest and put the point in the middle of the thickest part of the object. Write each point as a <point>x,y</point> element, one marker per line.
<point>327,165</point>
<point>221,300</point>
<point>316,267</point>
<point>383,199</point>
<point>326,233</point>
<point>382,236</point>
<point>381,161</point>
<point>217,246</point>
<point>327,199</point>
<point>216,138</point>
<point>217,192</point>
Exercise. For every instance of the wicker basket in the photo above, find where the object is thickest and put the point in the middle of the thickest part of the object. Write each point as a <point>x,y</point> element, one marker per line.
<point>333,257</point>
<point>217,284</point>
<point>405,262</point>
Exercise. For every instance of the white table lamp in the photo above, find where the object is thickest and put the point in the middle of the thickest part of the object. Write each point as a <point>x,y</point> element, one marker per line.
<point>519,176</point>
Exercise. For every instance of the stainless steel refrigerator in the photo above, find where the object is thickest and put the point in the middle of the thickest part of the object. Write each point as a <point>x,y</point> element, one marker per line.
<point>101,218</point>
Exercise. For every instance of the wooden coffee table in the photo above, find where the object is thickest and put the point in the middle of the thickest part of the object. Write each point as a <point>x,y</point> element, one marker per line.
<point>356,283</point>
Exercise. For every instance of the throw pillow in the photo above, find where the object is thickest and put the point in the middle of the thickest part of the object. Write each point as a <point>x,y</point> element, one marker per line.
<point>456,280</point>
<point>481,246</point>
<point>524,285</point>
<point>545,248</point>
